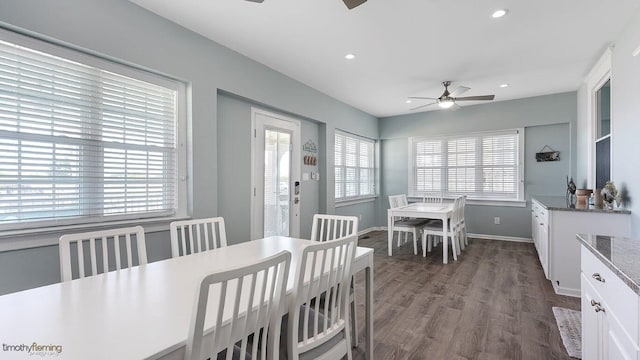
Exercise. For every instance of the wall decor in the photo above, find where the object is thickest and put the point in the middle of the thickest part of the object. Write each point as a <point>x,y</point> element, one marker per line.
<point>550,155</point>
<point>310,146</point>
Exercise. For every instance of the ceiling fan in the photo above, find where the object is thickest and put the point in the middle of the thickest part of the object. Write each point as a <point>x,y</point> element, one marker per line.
<point>350,3</point>
<point>448,99</point>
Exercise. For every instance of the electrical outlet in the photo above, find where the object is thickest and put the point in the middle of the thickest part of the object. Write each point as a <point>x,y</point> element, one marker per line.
<point>496,220</point>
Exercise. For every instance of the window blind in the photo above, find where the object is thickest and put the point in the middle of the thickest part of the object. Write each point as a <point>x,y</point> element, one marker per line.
<point>78,141</point>
<point>354,167</point>
<point>479,165</point>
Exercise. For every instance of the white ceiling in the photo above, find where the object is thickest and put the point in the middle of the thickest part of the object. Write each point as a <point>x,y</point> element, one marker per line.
<point>408,47</point>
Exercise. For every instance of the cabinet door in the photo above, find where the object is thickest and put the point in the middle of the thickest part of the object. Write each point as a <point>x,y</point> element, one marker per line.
<point>543,240</point>
<point>591,339</point>
<point>534,229</point>
<point>617,345</point>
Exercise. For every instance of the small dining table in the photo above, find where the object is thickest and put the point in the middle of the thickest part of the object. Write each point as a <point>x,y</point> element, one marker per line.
<point>143,312</point>
<point>441,212</point>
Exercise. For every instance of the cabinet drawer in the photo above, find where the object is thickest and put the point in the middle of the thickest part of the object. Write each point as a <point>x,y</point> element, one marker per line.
<point>621,302</point>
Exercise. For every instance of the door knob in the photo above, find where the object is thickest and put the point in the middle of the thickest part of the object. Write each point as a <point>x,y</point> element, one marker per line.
<point>594,303</point>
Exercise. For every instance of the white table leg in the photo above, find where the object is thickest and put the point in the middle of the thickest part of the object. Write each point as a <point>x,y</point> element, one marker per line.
<point>369,308</point>
<point>445,241</point>
<point>389,231</point>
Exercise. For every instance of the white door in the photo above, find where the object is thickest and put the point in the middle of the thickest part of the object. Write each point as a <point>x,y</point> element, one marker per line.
<point>275,188</point>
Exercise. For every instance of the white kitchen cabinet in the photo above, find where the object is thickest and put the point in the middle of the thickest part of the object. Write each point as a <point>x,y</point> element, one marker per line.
<point>540,234</point>
<point>555,233</point>
<point>610,320</point>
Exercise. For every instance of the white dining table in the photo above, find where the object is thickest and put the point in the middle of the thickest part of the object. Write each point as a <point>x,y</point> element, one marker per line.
<point>423,211</point>
<point>143,312</point>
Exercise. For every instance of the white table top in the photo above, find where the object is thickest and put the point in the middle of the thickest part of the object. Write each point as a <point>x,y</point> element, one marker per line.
<point>134,313</point>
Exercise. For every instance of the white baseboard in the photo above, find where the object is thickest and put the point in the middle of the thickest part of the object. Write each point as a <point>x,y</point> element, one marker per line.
<point>566,291</point>
<point>368,230</point>
<point>501,238</point>
<point>479,236</point>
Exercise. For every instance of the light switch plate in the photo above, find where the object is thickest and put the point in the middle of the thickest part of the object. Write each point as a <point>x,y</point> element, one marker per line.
<point>305,176</point>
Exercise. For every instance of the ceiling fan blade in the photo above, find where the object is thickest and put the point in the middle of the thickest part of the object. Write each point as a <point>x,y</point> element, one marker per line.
<point>421,97</point>
<point>459,91</point>
<point>479,97</point>
<point>353,3</point>
<point>421,106</point>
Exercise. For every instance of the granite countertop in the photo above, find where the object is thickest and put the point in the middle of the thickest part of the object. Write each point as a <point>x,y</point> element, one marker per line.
<point>560,203</point>
<point>620,254</point>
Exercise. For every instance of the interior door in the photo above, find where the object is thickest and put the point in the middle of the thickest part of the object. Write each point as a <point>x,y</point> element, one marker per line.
<point>276,175</point>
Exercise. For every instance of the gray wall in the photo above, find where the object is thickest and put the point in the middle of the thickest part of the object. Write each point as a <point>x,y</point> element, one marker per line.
<point>625,126</point>
<point>625,114</point>
<point>548,120</point>
<point>234,175</point>
<point>120,30</point>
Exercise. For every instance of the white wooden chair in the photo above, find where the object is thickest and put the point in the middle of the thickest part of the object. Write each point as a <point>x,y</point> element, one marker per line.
<point>432,198</point>
<point>256,289</point>
<point>405,226</point>
<point>192,236</point>
<point>105,250</point>
<point>435,229</point>
<point>332,227</point>
<point>464,241</point>
<point>315,329</point>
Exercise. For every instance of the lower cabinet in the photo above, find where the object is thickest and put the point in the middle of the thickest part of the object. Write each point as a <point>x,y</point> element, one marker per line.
<point>609,314</point>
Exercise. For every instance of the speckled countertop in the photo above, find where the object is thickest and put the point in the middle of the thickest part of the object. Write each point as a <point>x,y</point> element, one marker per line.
<point>620,254</point>
<point>560,203</point>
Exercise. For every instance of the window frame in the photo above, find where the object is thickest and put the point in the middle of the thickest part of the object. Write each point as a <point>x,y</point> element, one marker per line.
<point>129,70</point>
<point>348,200</point>
<point>517,200</point>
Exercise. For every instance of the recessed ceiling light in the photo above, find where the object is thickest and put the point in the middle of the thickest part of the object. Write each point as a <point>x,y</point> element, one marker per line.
<point>350,56</point>
<point>499,13</point>
<point>504,85</point>
<point>408,101</point>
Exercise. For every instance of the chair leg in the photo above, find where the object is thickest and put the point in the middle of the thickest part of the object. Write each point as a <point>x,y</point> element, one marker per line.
<point>454,247</point>
<point>399,237</point>
<point>354,316</point>
<point>424,244</point>
<point>429,243</point>
<point>415,242</point>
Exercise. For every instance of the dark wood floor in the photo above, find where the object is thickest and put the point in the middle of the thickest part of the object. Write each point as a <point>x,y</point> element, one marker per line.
<point>493,303</point>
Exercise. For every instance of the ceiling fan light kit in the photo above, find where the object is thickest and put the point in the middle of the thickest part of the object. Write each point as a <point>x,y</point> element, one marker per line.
<point>448,99</point>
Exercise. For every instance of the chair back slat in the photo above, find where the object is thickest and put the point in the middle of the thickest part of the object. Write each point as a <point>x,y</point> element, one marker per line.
<point>248,306</point>
<point>106,237</point>
<point>194,236</point>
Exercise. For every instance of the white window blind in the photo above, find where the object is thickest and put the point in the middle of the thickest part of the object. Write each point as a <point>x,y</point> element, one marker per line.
<point>354,167</point>
<point>485,165</point>
<point>80,143</point>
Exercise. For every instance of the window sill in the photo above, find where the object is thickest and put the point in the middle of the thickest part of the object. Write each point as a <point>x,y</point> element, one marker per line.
<point>47,236</point>
<point>484,202</point>
<point>342,203</point>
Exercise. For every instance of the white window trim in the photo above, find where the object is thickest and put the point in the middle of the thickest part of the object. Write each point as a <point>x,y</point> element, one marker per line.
<point>83,56</point>
<point>345,201</point>
<point>598,76</point>
<point>519,201</point>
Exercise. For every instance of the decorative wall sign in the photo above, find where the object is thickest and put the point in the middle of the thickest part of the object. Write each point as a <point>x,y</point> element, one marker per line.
<point>550,155</point>
<point>310,146</point>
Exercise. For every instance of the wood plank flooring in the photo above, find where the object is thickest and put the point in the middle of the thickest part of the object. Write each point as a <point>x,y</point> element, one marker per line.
<point>493,303</point>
